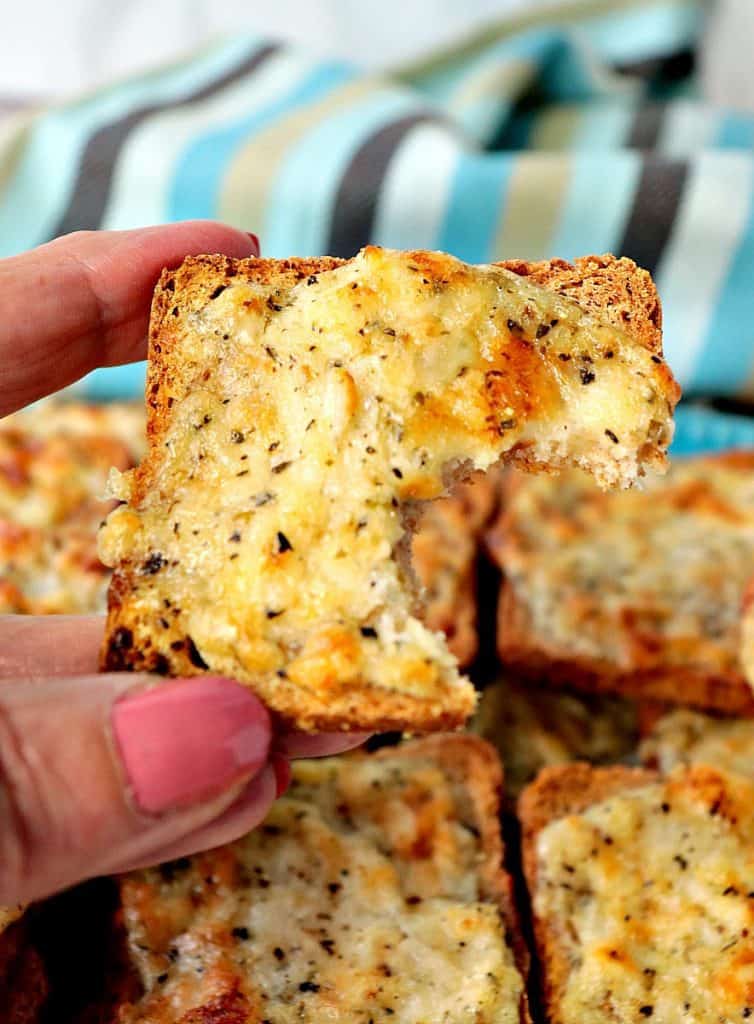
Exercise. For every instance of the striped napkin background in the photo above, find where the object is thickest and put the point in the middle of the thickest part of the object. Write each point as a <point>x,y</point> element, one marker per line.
<point>542,135</point>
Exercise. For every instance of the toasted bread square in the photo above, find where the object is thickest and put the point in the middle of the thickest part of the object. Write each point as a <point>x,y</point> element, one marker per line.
<point>683,736</point>
<point>23,981</point>
<point>532,728</point>
<point>637,593</point>
<point>374,890</point>
<point>55,459</point>
<point>297,412</point>
<point>443,556</point>
<point>641,893</point>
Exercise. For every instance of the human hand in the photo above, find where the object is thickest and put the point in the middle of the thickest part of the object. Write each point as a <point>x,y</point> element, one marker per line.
<point>103,773</point>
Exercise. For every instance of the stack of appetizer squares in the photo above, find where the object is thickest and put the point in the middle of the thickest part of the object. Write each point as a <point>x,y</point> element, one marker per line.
<point>574,844</point>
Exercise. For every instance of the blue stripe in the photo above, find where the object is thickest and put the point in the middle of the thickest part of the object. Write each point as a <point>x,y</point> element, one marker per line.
<point>699,430</point>
<point>727,355</point>
<point>474,206</point>
<point>605,125</point>
<point>736,131</point>
<point>113,382</point>
<point>650,31</point>
<point>32,202</point>
<point>597,203</point>
<point>198,177</point>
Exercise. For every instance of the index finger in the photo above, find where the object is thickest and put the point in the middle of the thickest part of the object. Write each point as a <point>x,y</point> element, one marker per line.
<point>83,300</point>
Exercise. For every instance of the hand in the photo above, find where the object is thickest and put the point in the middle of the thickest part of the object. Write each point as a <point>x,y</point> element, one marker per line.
<point>103,773</point>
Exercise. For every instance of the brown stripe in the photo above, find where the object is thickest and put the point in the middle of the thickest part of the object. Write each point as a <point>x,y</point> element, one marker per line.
<point>656,202</point>
<point>93,182</point>
<point>647,124</point>
<point>356,200</point>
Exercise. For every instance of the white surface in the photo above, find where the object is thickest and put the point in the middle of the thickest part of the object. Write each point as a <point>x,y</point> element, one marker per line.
<point>63,46</point>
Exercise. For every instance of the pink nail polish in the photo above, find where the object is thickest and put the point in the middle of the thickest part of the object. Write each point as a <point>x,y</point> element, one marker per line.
<point>282,768</point>
<point>185,741</point>
<point>254,241</point>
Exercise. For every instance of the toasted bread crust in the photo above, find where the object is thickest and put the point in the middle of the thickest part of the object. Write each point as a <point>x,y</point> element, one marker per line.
<point>559,791</point>
<point>602,285</point>
<point>473,768</point>
<point>653,671</point>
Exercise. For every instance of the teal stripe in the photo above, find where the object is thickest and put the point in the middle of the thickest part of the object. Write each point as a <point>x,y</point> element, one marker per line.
<point>199,175</point>
<point>736,131</point>
<point>474,206</point>
<point>45,174</point>
<point>597,203</point>
<point>699,430</point>
<point>113,382</point>
<point>727,356</point>
<point>605,125</point>
<point>300,208</point>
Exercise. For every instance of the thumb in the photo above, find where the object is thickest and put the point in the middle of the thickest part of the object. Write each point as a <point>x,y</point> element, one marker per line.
<point>98,773</point>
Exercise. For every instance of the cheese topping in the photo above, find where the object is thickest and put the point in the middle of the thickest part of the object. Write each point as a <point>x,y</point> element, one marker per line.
<point>8,915</point>
<point>651,895</point>
<point>688,737</point>
<point>637,578</point>
<point>300,419</point>
<point>357,900</point>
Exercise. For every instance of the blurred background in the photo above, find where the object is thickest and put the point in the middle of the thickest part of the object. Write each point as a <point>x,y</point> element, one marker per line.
<point>491,129</point>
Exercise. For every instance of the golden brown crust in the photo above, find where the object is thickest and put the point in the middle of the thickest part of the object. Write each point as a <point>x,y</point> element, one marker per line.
<point>23,982</point>
<point>653,669</point>
<point>611,287</point>
<point>559,791</point>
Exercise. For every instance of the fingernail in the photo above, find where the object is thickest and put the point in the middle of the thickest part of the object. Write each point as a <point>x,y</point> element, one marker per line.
<point>282,768</point>
<point>254,241</point>
<point>185,741</point>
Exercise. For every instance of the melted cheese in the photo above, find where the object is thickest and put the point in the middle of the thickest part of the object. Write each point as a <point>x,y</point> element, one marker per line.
<point>8,915</point>
<point>638,578</point>
<point>357,900</point>
<point>651,898</point>
<point>689,737</point>
<point>301,419</point>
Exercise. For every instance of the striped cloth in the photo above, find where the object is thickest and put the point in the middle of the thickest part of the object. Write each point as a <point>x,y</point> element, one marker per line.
<point>543,135</point>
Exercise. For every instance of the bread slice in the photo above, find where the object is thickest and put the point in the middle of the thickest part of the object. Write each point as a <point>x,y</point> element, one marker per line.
<point>531,728</point>
<point>683,736</point>
<point>641,893</point>
<point>374,890</point>
<point>298,410</point>
<point>636,593</point>
<point>55,459</point>
<point>443,556</point>
<point>23,981</point>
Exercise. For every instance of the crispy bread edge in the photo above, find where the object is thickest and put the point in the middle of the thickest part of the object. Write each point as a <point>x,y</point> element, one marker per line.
<point>557,792</point>
<point>474,764</point>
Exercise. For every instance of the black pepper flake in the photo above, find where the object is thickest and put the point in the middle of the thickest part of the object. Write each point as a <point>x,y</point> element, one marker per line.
<point>681,861</point>
<point>194,656</point>
<point>312,279</point>
<point>161,665</point>
<point>413,900</point>
<point>542,330</point>
<point>370,450</point>
<point>514,327</point>
<point>328,945</point>
<point>262,498</point>
<point>586,376</point>
<point>564,357</point>
<point>161,979</point>
<point>278,953</point>
<point>237,437</point>
<point>397,472</point>
<point>334,887</point>
<point>308,986</point>
<point>283,543</point>
<point>240,933</point>
<point>177,645</point>
<point>235,537</point>
<point>218,291</point>
<point>730,890</point>
<point>506,425</point>
<point>390,331</point>
<point>612,435</point>
<point>656,359</point>
<point>646,1010</point>
<point>274,306</point>
<point>281,466</point>
<point>242,472</point>
<point>153,564</point>
<point>271,353</point>
<point>122,639</point>
<point>609,354</point>
<point>273,613</point>
<point>368,631</point>
<point>665,807</point>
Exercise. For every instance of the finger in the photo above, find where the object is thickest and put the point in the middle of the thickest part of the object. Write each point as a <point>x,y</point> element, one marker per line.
<point>105,770</point>
<point>83,300</point>
<point>241,817</point>
<point>42,646</point>
<point>301,744</point>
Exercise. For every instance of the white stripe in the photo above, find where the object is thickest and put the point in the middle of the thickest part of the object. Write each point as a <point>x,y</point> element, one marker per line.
<point>144,172</point>
<point>687,128</point>
<point>706,233</point>
<point>423,167</point>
